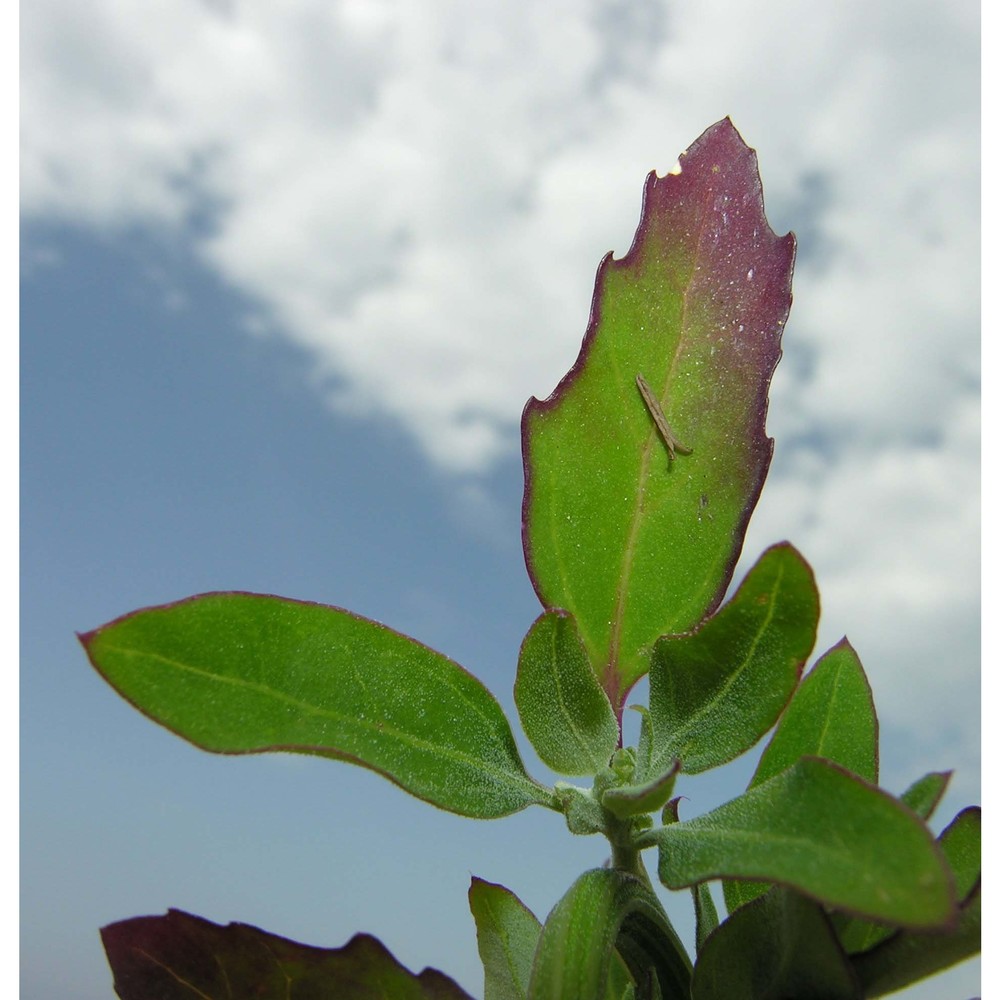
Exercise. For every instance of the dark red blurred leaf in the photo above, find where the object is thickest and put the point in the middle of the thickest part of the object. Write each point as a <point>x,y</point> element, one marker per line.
<point>181,957</point>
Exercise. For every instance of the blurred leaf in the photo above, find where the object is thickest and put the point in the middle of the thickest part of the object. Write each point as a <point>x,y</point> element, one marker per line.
<point>182,957</point>
<point>715,692</point>
<point>924,794</point>
<point>909,956</point>
<point>831,715</point>
<point>245,673</point>
<point>706,917</point>
<point>507,933</point>
<point>823,831</point>
<point>778,946</point>
<point>564,711</point>
<point>632,543</point>
<point>604,910</point>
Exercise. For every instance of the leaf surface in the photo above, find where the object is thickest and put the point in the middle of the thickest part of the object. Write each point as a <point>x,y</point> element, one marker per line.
<point>246,673</point>
<point>564,710</point>
<point>507,933</point>
<point>715,692</point>
<point>780,945</point>
<point>604,910</point>
<point>182,957</point>
<point>831,715</point>
<point>823,831</point>
<point>909,956</point>
<point>633,543</point>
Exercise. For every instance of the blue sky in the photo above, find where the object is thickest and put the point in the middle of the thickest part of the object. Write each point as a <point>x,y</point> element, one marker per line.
<point>288,277</point>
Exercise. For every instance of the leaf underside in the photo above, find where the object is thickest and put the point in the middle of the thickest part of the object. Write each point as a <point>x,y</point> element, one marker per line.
<point>182,957</point>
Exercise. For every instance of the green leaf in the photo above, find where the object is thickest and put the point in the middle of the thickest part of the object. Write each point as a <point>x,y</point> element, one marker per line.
<point>245,673</point>
<point>924,794</point>
<point>604,910</point>
<point>564,711</point>
<point>182,957</point>
<point>823,831</point>
<point>632,543</point>
<point>909,956</point>
<point>780,945</point>
<point>633,800</point>
<point>507,933</point>
<point>706,917</point>
<point>715,692</point>
<point>859,935</point>
<point>831,715</point>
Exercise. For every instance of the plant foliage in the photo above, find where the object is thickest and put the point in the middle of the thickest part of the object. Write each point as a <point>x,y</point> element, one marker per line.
<point>641,473</point>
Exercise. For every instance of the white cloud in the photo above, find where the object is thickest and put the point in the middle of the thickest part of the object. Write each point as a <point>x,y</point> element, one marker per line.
<point>419,194</point>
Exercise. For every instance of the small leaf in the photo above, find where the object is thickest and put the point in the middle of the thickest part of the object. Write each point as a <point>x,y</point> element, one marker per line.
<point>715,692</point>
<point>823,831</point>
<point>780,945</point>
<point>909,956</point>
<point>924,795</point>
<point>507,933</point>
<point>831,715</point>
<point>633,543</point>
<point>604,910</point>
<point>584,815</point>
<point>246,673</point>
<point>633,800</point>
<point>180,957</point>
<point>706,917</point>
<point>564,711</point>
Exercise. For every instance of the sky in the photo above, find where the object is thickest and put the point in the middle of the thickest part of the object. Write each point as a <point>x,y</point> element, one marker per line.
<point>290,273</point>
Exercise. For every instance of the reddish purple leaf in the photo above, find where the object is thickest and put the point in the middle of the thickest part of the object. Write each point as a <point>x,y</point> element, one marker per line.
<point>632,532</point>
<point>182,957</point>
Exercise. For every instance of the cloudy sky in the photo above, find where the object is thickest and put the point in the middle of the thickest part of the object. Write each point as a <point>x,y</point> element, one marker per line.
<point>290,273</point>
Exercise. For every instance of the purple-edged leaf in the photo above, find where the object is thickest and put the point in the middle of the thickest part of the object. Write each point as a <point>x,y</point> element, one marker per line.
<point>831,715</point>
<point>634,543</point>
<point>859,935</point>
<point>564,710</point>
<point>823,831</point>
<point>507,933</point>
<point>715,692</point>
<point>924,794</point>
<point>780,945</point>
<point>246,673</point>
<point>183,957</point>
<point>604,911</point>
<point>909,956</point>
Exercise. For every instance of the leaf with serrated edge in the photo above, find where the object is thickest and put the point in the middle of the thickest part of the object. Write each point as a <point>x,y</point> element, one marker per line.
<point>564,711</point>
<point>636,545</point>
<point>179,956</point>
<point>823,831</point>
<point>247,673</point>
<point>507,933</point>
<point>715,692</point>
<point>831,715</point>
